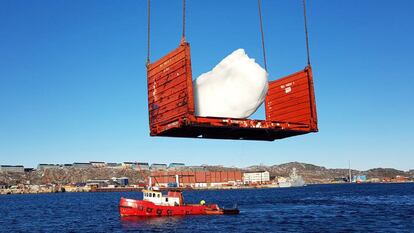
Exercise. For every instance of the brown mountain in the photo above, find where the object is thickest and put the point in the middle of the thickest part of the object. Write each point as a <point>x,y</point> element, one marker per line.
<point>318,174</point>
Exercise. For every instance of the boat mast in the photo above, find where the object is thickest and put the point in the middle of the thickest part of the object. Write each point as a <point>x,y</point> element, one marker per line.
<point>349,166</point>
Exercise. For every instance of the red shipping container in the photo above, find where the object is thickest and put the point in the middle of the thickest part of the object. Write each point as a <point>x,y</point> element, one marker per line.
<point>208,177</point>
<point>200,177</point>
<point>292,99</point>
<point>213,177</point>
<point>290,105</point>
<point>231,176</point>
<point>192,177</point>
<point>218,177</point>
<point>223,175</point>
<point>238,176</point>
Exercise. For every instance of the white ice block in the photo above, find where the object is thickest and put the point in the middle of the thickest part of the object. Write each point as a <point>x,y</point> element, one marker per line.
<point>235,88</point>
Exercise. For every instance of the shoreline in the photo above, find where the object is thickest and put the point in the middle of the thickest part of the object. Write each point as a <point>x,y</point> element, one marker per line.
<point>134,189</point>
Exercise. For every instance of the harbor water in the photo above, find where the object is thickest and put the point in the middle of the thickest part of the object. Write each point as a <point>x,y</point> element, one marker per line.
<point>314,208</point>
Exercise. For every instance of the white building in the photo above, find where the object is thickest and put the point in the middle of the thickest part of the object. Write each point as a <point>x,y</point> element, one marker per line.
<point>97,164</point>
<point>256,177</point>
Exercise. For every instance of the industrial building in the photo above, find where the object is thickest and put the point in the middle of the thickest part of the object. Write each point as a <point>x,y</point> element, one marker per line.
<point>256,177</point>
<point>196,179</point>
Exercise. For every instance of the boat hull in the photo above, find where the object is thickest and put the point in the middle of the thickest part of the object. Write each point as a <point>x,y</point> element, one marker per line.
<point>131,207</point>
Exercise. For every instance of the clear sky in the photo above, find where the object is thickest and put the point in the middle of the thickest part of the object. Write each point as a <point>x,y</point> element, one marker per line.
<point>73,79</point>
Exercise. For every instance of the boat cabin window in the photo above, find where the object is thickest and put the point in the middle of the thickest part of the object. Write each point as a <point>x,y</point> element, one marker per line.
<point>166,199</point>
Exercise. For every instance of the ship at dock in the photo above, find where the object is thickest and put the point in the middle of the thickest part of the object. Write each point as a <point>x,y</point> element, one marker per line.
<point>294,180</point>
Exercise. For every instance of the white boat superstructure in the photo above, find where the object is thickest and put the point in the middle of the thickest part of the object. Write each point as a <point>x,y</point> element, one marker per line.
<point>294,180</point>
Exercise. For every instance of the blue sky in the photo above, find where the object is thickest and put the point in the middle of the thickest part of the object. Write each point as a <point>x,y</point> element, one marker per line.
<point>73,80</point>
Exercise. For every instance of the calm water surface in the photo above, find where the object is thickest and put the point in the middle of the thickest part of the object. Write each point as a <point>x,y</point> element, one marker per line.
<point>315,208</point>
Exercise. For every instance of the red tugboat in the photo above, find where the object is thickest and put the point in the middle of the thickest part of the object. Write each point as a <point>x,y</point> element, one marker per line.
<point>157,204</point>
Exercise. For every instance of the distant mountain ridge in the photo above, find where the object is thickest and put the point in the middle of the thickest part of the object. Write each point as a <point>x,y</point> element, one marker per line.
<point>317,174</point>
<point>311,173</point>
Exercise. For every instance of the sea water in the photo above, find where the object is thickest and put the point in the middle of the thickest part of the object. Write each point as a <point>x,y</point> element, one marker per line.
<point>314,208</point>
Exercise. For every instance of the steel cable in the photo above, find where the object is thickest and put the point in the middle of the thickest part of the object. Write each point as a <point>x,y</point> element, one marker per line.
<point>149,30</point>
<point>261,30</point>
<point>183,34</point>
<point>306,30</point>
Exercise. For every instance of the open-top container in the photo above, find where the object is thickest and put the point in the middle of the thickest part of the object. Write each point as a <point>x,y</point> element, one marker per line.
<point>290,105</point>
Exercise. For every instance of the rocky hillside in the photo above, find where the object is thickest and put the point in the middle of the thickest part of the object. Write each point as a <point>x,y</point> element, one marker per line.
<point>311,174</point>
<point>318,174</point>
<point>65,176</point>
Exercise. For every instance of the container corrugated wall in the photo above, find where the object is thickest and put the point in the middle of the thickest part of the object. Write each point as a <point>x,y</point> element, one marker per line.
<point>170,89</point>
<point>292,99</point>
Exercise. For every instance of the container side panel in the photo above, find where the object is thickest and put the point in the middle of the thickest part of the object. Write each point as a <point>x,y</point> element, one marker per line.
<point>170,89</point>
<point>292,99</point>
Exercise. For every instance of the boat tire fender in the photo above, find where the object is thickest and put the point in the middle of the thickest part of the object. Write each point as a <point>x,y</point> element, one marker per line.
<point>149,210</point>
<point>169,212</point>
<point>159,211</point>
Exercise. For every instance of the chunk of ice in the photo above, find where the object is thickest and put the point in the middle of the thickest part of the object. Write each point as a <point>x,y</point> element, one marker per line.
<point>235,88</point>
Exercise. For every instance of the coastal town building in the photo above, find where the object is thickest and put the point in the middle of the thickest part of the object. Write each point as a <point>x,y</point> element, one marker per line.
<point>123,181</point>
<point>97,164</point>
<point>359,179</point>
<point>176,165</point>
<point>97,183</point>
<point>114,165</point>
<point>199,168</point>
<point>3,185</point>
<point>158,166</point>
<point>42,166</point>
<point>143,166</point>
<point>82,165</point>
<point>400,178</point>
<point>12,168</point>
<point>256,177</point>
<point>130,165</point>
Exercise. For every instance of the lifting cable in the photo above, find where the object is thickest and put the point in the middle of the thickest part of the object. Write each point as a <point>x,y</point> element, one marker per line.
<point>148,45</point>
<point>259,2</point>
<point>183,34</point>
<point>306,30</point>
